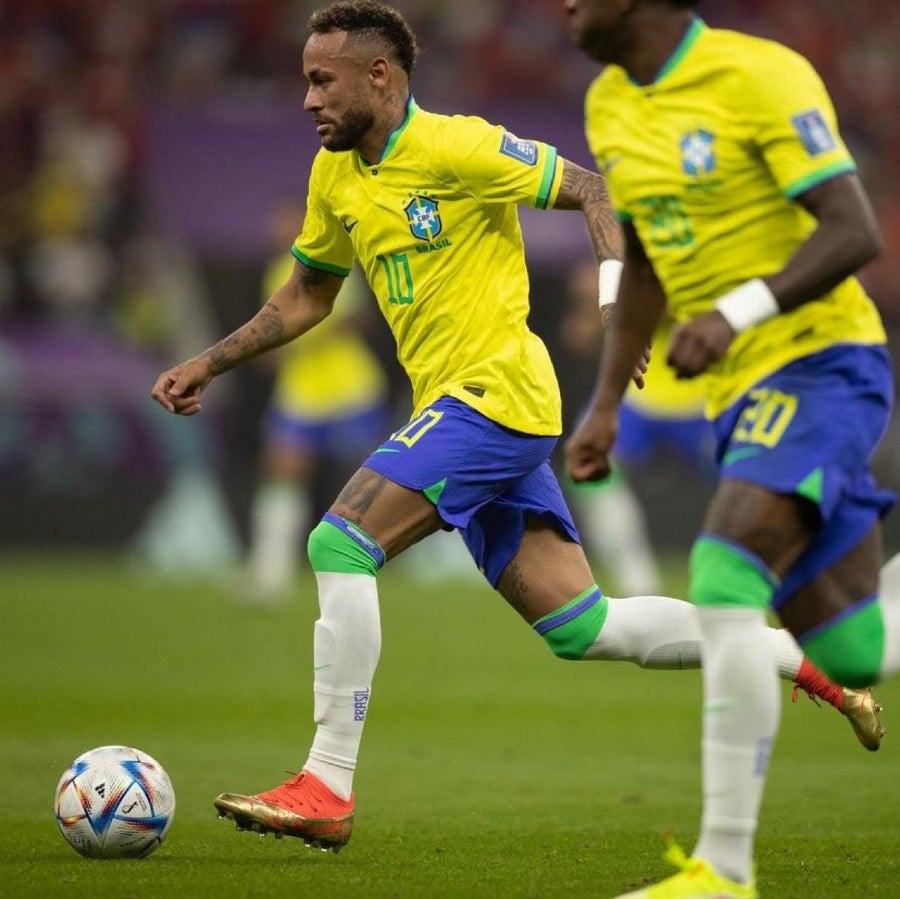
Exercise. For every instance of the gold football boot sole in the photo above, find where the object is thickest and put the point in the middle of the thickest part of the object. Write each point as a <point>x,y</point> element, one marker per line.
<point>259,816</point>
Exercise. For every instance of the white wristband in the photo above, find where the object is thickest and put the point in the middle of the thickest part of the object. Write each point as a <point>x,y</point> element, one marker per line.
<point>610,273</point>
<point>748,305</point>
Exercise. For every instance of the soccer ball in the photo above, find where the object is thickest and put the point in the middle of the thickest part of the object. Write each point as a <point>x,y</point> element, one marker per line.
<point>114,802</point>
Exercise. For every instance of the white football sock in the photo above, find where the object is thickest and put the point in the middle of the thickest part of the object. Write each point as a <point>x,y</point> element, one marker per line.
<point>741,712</point>
<point>280,511</point>
<point>662,632</point>
<point>614,526</point>
<point>346,647</point>
<point>889,597</point>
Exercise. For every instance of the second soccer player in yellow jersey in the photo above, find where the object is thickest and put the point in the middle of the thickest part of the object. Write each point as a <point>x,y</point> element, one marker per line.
<point>743,213</point>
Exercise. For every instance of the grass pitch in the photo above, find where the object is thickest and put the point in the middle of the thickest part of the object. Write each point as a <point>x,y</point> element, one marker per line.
<point>488,767</point>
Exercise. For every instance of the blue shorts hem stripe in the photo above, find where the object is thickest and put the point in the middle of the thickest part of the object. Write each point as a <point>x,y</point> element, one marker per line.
<point>357,536</point>
<point>849,612</point>
<point>567,615</point>
<point>751,558</point>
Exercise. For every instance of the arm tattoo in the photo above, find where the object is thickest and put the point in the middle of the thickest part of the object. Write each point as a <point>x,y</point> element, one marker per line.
<point>266,330</point>
<point>581,189</point>
<point>311,278</point>
<point>606,317</point>
<point>263,332</point>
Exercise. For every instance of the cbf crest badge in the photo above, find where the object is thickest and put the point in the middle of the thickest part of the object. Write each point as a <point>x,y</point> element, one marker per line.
<point>424,218</point>
<point>697,154</point>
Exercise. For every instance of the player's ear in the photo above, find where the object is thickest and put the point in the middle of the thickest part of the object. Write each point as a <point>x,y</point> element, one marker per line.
<point>379,72</point>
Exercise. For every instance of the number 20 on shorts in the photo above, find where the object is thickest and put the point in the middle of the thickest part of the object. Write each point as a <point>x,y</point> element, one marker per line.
<point>766,418</point>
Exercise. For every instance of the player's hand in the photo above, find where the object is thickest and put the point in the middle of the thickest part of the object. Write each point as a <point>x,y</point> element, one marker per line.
<point>178,389</point>
<point>588,449</point>
<point>699,343</point>
<point>641,369</point>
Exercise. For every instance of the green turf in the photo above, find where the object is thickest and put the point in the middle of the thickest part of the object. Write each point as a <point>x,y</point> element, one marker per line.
<point>488,768</point>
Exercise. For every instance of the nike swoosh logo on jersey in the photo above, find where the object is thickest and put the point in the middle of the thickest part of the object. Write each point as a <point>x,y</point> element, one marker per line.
<point>349,226</point>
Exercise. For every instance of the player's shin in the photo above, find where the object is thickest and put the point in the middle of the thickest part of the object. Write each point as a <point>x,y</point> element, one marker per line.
<point>742,707</point>
<point>742,703</point>
<point>663,632</point>
<point>347,644</point>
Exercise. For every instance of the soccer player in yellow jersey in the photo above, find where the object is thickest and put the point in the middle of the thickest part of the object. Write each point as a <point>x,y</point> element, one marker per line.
<point>744,213</point>
<point>427,204</point>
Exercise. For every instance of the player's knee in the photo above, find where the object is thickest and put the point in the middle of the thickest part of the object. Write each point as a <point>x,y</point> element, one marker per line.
<point>725,575</point>
<point>573,628</point>
<point>340,546</point>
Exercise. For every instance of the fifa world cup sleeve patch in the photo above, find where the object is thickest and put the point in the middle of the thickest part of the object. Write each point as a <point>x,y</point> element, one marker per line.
<point>524,150</point>
<point>814,132</point>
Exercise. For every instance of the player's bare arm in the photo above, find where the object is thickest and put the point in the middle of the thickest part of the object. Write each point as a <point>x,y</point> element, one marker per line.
<point>846,238</point>
<point>587,191</point>
<point>581,189</point>
<point>634,318</point>
<point>304,301</point>
<point>301,303</point>
<point>636,314</point>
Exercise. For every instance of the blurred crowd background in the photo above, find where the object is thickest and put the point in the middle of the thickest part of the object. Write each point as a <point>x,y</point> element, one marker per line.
<point>144,145</point>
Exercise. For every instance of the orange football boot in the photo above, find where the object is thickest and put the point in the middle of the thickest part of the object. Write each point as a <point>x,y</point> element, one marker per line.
<point>301,807</point>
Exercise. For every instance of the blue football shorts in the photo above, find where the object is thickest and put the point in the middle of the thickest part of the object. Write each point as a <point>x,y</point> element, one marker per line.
<point>810,429</point>
<point>642,437</point>
<point>484,479</point>
<point>346,436</point>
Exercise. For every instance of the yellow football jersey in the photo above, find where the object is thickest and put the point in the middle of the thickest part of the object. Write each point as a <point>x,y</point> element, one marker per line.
<point>705,161</point>
<point>330,371</point>
<point>435,226</point>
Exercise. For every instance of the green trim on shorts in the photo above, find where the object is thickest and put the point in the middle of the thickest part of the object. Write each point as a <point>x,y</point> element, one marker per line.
<point>433,493</point>
<point>330,549</point>
<point>849,649</point>
<point>812,487</point>
<point>724,575</point>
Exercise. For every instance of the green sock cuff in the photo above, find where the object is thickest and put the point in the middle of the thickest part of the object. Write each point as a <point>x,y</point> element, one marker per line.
<point>345,550</point>
<point>572,629</point>
<point>723,574</point>
<point>849,648</point>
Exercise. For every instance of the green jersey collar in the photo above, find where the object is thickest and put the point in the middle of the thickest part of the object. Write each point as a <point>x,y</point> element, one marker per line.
<point>688,39</point>
<point>411,109</point>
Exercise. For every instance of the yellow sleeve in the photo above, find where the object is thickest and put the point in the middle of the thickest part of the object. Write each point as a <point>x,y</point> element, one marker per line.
<point>795,127</point>
<point>495,166</point>
<point>323,243</point>
<point>593,129</point>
